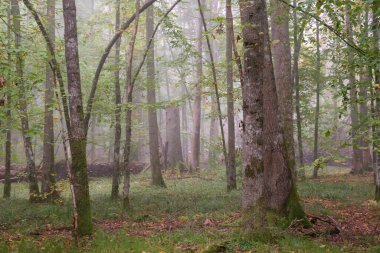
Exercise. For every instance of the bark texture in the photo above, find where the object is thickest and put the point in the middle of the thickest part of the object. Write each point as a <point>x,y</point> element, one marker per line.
<point>173,139</point>
<point>128,115</point>
<point>8,140</point>
<point>283,73</point>
<point>268,187</point>
<point>296,83</point>
<point>48,171</point>
<point>196,131</point>
<point>231,169</point>
<point>317,94</point>
<point>78,130</point>
<point>357,157</point>
<point>376,45</point>
<point>157,178</point>
<point>116,151</point>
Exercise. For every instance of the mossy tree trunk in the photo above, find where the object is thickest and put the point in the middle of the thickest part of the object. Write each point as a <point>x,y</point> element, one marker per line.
<point>78,130</point>
<point>268,182</point>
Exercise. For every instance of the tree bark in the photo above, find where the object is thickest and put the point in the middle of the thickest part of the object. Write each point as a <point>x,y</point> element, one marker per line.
<point>28,146</point>
<point>296,83</point>
<point>128,115</point>
<point>357,157</point>
<point>173,139</point>
<point>116,151</point>
<point>231,169</point>
<point>317,92</point>
<point>365,82</point>
<point>78,130</point>
<point>157,178</point>
<point>196,131</point>
<point>8,140</point>
<point>283,74</point>
<point>267,180</point>
<point>48,170</point>
<point>376,40</point>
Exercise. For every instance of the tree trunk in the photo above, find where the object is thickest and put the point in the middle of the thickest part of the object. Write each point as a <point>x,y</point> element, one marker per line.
<point>116,150</point>
<point>365,82</point>
<point>317,91</point>
<point>357,158</point>
<point>128,115</point>
<point>78,130</point>
<point>297,47</point>
<point>196,135</point>
<point>8,141</point>
<point>152,112</point>
<point>48,170</point>
<point>376,40</point>
<point>92,141</point>
<point>231,169</point>
<point>283,74</point>
<point>267,181</point>
<point>184,126</point>
<point>28,146</point>
<point>173,139</point>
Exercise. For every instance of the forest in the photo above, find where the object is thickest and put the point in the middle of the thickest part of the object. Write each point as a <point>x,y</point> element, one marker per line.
<point>202,126</point>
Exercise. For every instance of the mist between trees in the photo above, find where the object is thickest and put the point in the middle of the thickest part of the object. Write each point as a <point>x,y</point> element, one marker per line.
<point>268,93</point>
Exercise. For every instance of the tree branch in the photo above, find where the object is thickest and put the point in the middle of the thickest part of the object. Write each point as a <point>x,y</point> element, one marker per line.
<point>330,28</point>
<point>103,59</point>
<point>54,65</point>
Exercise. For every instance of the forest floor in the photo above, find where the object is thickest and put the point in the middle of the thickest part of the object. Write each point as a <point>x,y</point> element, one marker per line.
<point>195,214</point>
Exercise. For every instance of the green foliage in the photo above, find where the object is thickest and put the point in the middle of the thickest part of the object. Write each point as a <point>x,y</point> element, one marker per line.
<point>190,201</point>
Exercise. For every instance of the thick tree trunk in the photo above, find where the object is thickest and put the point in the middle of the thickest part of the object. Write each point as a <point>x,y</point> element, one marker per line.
<point>48,170</point>
<point>231,169</point>
<point>357,157</point>
<point>28,146</point>
<point>282,61</point>
<point>173,139</point>
<point>78,130</point>
<point>8,140</point>
<point>196,133</point>
<point>317,92</point>
<point>152,112</point>
<point>267,181</point>
<point>116,150</point>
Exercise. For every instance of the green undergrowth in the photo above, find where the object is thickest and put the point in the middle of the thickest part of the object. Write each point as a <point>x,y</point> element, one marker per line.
<point>191,201</point>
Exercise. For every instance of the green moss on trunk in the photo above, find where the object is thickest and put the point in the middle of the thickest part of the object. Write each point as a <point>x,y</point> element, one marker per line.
<point>82,195</point>
<point>295,209</point>
<point>377,194</point>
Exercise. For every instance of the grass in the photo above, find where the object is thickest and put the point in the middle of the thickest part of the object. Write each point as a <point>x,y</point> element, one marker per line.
<point>189,202</point>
